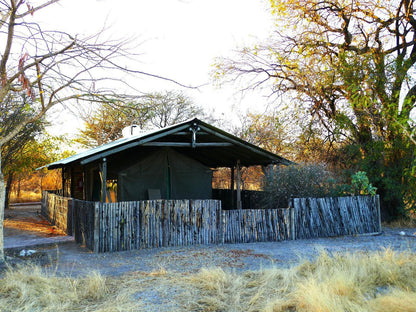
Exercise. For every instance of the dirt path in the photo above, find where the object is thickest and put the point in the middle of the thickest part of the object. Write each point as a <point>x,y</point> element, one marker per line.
<point>27,219</point>
<point>71,259</point>
<point>25,227</point>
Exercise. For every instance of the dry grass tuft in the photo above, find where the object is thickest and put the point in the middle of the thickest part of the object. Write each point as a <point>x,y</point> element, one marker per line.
<point>378,281</point>
<point>409,223</point>
<point>395,301</point>
<point>348,282</point>
<point>158,272</point>
<point>32,289</point>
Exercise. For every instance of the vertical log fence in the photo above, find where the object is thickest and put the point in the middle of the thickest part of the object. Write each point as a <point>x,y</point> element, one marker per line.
<point>336,216</point>
<point>108,227</point>
<point>147,224</point>
<point>58,211</point>
<point>256,225</point>
<point>84,218</point>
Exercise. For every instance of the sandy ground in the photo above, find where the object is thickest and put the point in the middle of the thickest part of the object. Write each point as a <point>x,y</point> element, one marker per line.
<point>25,225</point>
<point>26,220</point>
<point>75,260</point>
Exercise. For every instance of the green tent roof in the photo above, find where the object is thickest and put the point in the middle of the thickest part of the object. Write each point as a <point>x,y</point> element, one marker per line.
<point>209,145</point>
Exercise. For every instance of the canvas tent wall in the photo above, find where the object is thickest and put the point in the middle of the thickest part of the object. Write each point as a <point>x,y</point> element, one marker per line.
<point>199,146</point>
<point>175,175</point>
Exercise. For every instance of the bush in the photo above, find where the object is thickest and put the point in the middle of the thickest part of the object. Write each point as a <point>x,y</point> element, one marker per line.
<point>312,180</point>
<point>361,185</point>
<point>307,180</point>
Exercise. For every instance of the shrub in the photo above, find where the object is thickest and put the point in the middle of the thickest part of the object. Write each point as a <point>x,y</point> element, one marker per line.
<point>311,180</point>
<point>361,185</point>
<point>306,180</point>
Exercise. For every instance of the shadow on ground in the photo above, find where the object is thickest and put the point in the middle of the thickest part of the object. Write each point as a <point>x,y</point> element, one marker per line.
<point>25,229</point>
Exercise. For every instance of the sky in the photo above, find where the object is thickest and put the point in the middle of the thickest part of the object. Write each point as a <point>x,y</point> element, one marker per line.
<point>177,39</point>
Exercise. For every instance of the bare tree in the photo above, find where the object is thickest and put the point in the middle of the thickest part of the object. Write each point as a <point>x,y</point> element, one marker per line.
<point>49,67</point>
<point>169,107</point>
<point>148,111</point>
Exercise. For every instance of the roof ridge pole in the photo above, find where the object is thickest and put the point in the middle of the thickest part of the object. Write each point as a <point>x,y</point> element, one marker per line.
<point>239,205</point>
<point>194,129</point>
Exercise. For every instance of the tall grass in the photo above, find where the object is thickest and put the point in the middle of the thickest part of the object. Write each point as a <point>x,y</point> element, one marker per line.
<point>382,281</point>
<point>33,289</point>
<point>378,281</point>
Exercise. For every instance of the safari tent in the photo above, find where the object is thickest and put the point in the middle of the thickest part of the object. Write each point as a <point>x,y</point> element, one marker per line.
<point>170,163</point>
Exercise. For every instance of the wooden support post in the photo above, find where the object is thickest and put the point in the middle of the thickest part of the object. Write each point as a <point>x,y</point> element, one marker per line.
<point>239,205</point>
<point>232,188</point>
<point>104,181</point>
<point>84,184</point>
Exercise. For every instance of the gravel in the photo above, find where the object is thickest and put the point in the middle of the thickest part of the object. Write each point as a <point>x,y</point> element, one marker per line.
<point>163,294</point>
<point>72,259</point>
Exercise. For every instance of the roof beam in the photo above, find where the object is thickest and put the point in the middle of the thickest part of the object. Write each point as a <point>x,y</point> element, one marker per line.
<point>188,133</point>
<point>184,144</point>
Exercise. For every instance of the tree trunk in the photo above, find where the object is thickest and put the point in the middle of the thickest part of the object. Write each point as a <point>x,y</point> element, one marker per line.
<point>2,198</point>
<point>18,189</point>
<point>8,191</point>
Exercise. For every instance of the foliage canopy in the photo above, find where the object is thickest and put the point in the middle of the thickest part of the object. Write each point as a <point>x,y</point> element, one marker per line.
<point>347,65</point>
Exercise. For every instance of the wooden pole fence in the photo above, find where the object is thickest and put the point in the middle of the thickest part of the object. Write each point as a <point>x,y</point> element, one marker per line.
<point>108,227</point>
